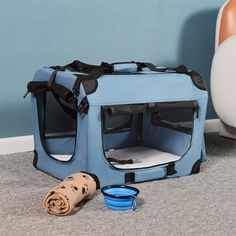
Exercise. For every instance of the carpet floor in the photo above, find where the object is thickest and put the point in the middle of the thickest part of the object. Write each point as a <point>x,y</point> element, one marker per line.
<point>202,204</point>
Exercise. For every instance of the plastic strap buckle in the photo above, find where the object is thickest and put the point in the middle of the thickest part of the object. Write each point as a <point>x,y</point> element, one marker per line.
<point>171,169</point>
<point>84,106</point>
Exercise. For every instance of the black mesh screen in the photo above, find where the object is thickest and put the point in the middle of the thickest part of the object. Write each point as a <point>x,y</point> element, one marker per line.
<point>180,119</point>
<point>117,123</point>
<point>57,121</point>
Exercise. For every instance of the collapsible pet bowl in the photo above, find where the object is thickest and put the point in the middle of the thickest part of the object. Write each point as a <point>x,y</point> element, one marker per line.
<point>120,197</point>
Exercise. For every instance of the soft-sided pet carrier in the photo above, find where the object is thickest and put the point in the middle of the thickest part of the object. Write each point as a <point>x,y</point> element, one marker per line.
<point>124,122</point>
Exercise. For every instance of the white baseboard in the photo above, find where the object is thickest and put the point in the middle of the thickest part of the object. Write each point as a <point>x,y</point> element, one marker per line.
<point>26,143</point>
<point>16,144</point>
<point>212,126</point>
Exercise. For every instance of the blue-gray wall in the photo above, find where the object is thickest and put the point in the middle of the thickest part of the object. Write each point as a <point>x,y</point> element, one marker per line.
<point>49,32</point>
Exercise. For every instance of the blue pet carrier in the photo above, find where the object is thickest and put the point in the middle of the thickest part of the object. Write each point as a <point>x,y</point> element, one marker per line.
<point>124,122</point>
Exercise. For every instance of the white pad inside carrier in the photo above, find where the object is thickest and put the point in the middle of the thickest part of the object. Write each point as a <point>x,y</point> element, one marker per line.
<point>63,157</point>
<point>142,157</point>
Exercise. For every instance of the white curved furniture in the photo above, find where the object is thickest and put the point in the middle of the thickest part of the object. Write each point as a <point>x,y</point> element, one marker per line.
<point>223,74</point>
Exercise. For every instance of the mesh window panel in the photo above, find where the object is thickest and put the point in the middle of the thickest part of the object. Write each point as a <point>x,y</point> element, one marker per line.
<point>57,121</point>
<point>181,119</point>
<point>118,123</point>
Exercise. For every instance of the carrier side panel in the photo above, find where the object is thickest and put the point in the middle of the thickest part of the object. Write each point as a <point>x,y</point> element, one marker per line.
<point>53,167</point>
<point>184,165</point>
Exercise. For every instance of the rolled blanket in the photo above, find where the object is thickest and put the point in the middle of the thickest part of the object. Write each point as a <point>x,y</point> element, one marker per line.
<point>70,194</point>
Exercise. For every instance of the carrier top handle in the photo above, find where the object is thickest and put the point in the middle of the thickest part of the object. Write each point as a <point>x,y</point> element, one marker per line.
<point>131,67</point>
<point>106,68</point>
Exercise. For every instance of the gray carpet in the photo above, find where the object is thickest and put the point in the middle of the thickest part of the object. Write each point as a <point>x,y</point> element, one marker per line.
<point>203,204</point>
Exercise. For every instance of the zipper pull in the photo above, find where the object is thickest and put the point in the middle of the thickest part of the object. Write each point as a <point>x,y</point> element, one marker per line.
<point>27,92</point>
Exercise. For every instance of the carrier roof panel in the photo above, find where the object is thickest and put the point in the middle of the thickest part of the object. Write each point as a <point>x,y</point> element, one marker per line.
<point>145,87</point>
<point>142,88</point>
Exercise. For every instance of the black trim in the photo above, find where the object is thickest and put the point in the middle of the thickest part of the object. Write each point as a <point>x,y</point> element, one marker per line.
<point>139,129</point>
<point>130,177</point>
<point>196,167</point>
<point>170,169</point>
<point>119,186</point>
<point>198,81</point>
<point>35,160</point>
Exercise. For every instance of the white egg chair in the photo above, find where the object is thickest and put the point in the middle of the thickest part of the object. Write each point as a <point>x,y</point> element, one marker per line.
<point>223,73</point>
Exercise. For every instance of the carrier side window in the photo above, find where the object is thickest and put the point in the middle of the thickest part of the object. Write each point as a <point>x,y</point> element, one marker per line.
<point>57,126</point>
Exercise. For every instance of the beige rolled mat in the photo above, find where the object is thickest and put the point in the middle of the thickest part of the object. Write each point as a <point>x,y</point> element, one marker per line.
<point>70,194</point>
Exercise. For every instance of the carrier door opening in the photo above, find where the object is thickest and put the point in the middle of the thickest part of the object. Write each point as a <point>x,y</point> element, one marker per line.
<point>147,135</point>
<point>57,125</point>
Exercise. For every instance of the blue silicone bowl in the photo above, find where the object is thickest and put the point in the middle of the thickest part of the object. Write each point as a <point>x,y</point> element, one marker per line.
<point>120,197</point>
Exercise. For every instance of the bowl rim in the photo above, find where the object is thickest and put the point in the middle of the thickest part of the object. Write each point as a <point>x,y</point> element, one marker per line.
<point>119,186</point>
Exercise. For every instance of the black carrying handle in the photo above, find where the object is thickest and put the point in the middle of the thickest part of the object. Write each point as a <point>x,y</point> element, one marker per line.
<point>181,69</point>
<point>37,86</point>
<point>57,89</point>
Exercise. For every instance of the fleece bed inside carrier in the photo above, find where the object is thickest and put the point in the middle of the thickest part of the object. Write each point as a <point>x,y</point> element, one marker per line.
<point>124,122</point>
